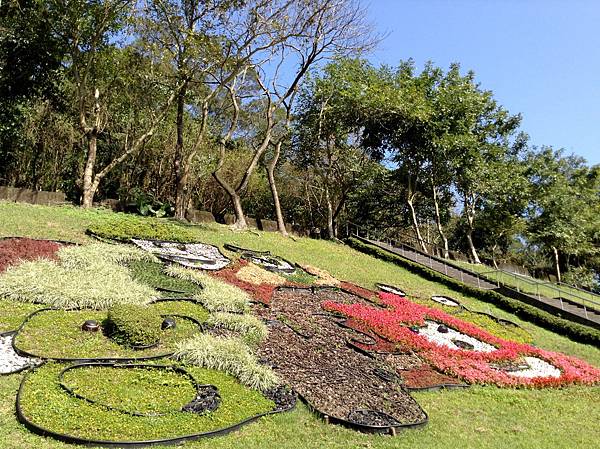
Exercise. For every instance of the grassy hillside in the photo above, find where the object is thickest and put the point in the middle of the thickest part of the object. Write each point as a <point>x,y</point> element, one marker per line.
<point>482,417</point>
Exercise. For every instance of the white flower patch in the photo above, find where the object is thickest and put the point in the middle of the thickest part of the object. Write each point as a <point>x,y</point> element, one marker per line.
<point>445,301</point>
<point>10,361</point>
<point>430,331</point>
<point>391,289</point>
<point>537,368</point>
<point>191,255</point>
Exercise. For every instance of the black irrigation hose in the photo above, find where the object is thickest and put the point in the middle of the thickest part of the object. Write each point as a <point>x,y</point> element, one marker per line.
<point>39,430</point>
<point>391,429</point>
<point>173,368</point>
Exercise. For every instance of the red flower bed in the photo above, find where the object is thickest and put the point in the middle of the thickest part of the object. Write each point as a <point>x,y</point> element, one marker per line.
<point>426,377</point>
<point>474,367</point>
<point>14,250</point>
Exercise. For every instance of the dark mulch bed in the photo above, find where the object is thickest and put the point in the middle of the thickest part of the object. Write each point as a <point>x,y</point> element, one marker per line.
<point>310,352</point>
<point>15,250</point>
<point>207,400</point>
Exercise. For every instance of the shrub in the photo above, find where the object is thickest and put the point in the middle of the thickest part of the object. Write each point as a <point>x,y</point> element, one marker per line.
<point>230,355</point>
<point>133,325</point>
<point>124,227</point>
<point>216,295</point>
<point>251,329</point>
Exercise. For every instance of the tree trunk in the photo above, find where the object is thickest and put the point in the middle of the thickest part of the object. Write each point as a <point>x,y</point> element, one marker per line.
<point>271,177</point>
<point>470,213</point>
<point>330,227</point>
<point>87,199</point>
<point>415,224</point>
<point>180,175</point>
<point>438,222</point>
<point>556,263</point>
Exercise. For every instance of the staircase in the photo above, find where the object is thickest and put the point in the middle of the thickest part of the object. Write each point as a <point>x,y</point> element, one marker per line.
<point>570,310</point>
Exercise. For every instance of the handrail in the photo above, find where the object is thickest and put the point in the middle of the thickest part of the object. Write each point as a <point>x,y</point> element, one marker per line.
<point>480,276</point>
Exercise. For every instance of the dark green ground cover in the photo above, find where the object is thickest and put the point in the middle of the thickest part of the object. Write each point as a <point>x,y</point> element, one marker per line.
<point>57,334</point>
<point>152,274</point>
<point>124,227</point>
<point>143,390</point>
<point>12,313</point>
<point>47,405</point>
<point>133,325</point>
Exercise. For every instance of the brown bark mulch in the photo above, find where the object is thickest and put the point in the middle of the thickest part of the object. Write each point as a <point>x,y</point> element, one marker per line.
<point>308,348</point>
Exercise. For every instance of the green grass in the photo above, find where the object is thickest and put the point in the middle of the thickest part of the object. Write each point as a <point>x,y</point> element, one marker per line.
<point>478,417</point>
<point>185,308</point>
<point>135,390</point>
<point>58,334</point>
<point>47,405</point>
<point>12,314</point>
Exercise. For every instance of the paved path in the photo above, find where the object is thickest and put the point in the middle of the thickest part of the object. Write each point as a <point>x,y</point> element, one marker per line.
<point>555,306</point>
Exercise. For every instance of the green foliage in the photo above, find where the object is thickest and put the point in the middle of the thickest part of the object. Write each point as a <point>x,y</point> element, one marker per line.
<point>301,277</point>
<point>152,274</point>
<point>251,329</point>
<point>124,227</point>
<point>134,325</point>
<point>87,276</point>
<point>574,331</point>
<point>183,308</point>
<point>12,314</point>
<point>57,334</point>
<point>216,295</point>
<point>230,355</point>
<point>136,390</point>
<point>45,403</point>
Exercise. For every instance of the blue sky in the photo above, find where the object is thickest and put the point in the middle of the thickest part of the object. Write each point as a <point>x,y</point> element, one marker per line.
<point>540,57</point>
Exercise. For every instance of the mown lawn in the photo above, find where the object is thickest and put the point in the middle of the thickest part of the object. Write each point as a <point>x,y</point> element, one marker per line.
<point>479,417</point>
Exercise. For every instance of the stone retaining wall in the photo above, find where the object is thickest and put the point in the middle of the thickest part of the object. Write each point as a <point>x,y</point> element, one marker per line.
<point>22,195</point>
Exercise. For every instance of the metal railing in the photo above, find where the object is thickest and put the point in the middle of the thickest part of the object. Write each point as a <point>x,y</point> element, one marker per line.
<point>513,281</point>
<point>531,286</point>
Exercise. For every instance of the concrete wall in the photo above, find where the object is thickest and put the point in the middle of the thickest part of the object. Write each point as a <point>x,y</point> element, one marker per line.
<point>21,195</point>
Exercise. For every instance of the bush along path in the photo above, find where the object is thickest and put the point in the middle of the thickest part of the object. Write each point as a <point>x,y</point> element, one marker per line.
<point>133,368</point>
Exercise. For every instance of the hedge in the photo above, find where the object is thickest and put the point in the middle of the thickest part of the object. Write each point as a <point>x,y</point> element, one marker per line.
<point>574,331</point>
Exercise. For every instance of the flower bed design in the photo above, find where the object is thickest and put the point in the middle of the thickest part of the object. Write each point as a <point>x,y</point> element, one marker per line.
<point>128,409</point>
<point>15,250</point>
<point>192,255</point>
<point>261,286</point>
<point>308,349</point>
<point>398,322</point>
<point>98,402</point>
